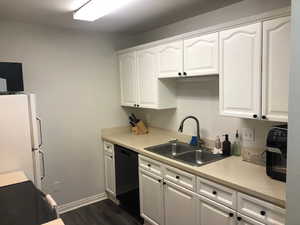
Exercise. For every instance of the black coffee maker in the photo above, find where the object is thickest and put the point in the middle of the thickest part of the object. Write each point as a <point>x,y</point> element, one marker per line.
<point>276,163</point>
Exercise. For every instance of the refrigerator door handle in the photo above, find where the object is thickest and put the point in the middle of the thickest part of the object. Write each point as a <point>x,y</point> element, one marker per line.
<point>43,165</point>
<point>41,131</point>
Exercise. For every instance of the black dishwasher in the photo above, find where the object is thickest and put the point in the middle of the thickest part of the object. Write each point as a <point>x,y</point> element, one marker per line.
<point>127,180</point>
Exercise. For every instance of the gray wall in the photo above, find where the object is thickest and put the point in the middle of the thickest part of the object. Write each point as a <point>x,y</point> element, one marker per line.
<point>75,78</point>
<point>226,14</point>
<point>293,179</point>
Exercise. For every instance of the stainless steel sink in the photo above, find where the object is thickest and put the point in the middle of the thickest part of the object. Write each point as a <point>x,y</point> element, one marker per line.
<point>185,153</point>
<point>171,149</point>
<point>199,157</point>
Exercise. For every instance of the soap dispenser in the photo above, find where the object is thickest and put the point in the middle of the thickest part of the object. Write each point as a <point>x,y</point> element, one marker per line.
<point>236,148</point>
<point>226,147</point>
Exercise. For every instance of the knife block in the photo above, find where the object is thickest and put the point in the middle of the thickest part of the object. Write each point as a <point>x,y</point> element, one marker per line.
<point>139,129</point>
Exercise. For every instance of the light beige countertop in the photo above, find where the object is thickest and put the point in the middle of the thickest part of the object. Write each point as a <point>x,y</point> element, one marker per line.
<point>232,172</point>
<point>12,178</point>
<point>19,177</point>
<point>55,222</point>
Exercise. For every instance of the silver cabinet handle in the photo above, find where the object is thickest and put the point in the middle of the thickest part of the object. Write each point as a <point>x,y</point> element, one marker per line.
<point>41,131</point>
<point>43,165</point>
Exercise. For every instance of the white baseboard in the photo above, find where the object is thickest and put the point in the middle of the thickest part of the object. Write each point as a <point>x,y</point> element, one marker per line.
<point>81,202</point>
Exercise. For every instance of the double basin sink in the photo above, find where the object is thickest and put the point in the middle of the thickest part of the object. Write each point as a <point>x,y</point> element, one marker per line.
<point>185,153</point>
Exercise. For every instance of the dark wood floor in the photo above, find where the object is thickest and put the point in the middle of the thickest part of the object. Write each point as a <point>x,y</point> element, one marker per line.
<point>102,213</point>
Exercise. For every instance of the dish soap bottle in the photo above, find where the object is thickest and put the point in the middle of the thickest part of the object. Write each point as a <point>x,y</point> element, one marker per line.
<point>236,148</point>
<point>226,146</point>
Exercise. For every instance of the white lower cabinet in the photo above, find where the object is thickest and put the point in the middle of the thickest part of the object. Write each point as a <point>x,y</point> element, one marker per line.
<point>244,220</point>
<point>151,197</point>
<point>260,210</point>
<point>110,177</point>
<point>166,201</point>
<point>212,213</point>
<point>179,204</point>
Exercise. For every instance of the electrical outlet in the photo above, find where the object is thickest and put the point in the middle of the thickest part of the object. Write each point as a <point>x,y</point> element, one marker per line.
<point>248,134</point>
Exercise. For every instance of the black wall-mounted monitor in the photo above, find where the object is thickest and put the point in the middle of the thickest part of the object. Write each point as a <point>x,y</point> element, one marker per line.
<point>11,77</point>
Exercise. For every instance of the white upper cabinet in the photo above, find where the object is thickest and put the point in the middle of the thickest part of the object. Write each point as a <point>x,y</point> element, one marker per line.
<point>129,81</point>
<point>276,68</point>
<point>140,86</point>
<point>148,82</point>
<point>201,55</point>
<point>170,59</point>
<point>240,71</point>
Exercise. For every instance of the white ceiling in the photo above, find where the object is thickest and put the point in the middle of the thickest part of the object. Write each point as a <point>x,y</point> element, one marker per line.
<point>139,16</point>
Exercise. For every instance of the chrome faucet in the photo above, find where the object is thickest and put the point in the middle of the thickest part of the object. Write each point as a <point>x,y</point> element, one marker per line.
<point>198,128</point>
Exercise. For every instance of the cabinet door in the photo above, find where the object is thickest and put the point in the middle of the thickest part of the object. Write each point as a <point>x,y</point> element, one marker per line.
<point>129,79</point>
<point>276,68</point>
<point>148,81</point>
<point>180,205</point>
<point>211,213</point>
<point>110,178</point>
<point>201,55</point>
<point>240,71</point>
<point>151,197</point>
<point>170,59</point>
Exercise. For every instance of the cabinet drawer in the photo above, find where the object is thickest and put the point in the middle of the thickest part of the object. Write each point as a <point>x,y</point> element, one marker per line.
<point>245,220</point>
<point>108,147</point>
<point>260,210</point>
<point>180,177</point>
<point>216,192</point>
<point>150,165</point>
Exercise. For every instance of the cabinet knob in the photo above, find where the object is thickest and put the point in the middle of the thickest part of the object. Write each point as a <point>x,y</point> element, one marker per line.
<point>255,116</point>
<point>111,157</point>
<point>231,214</point>
<point>137,105</point>
<point>263,213</point>
<point>214,192</point>
<point>149,165</point>
<point>159,181</point>
<point>239,218</point>
<point>164,183</point>
<point>177,177</point>
<point>179,74</point>
<point>184,73</point>
<point>264,117</point>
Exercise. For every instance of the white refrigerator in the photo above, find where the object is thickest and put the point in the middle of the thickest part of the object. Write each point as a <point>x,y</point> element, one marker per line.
<point>21,137</point>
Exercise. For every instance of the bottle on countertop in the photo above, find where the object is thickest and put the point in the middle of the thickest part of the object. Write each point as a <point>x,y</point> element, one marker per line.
<point>236,147</point>
<point>226,148</point>
<point>218,146</point>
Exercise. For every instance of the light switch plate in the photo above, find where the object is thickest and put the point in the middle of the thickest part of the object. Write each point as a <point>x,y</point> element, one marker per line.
<point>248,134</point>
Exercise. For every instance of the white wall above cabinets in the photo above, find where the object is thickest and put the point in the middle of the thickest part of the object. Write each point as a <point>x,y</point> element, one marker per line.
<point>140,86</point>
<point>254,85</point>
<point>240,76</point>
<point>276,68</point>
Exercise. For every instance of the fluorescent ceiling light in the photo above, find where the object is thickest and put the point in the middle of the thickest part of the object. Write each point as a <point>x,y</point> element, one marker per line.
<point>95,9</point>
